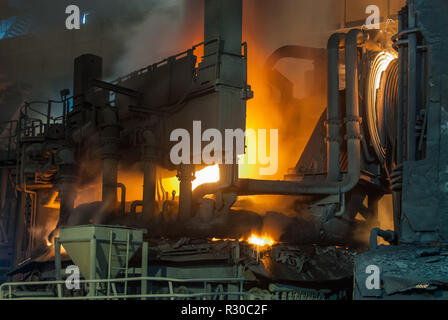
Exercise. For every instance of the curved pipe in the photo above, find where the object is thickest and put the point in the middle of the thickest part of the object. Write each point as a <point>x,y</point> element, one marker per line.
<point>299,52</point>
<point>352,123</point>
<point>167,203</point>
<point>205,189</point>
<point>123,197</point>
<point>134,205</point>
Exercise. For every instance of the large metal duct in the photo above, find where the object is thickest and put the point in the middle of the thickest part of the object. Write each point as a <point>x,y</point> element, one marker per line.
<point>110,156</point>
<point>353,136</point>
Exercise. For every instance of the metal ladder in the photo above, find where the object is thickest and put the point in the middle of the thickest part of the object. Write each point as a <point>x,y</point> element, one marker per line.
<point>125,256</point>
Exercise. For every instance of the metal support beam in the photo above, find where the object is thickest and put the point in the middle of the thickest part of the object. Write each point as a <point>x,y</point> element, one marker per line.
<point>149,189</point>
<point>115,88</point>
<point>93,245</point>
<point>57,262</point>
<point>412,86</point>
<point>144,284</point>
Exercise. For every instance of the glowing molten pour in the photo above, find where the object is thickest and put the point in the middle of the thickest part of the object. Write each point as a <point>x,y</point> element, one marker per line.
<point>260,241</point>
<point>206,175</point>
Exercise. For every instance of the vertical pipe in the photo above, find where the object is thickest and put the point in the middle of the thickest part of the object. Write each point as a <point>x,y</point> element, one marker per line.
<point>185,176</point>
<point>144,269</point>
<point>353,134</point>
<point>110,137</point>
<point>333,108</point>
<point>64,113</point>
<point>109,261</point>
<point>4,186</point>
<point>48,114</point>
<point>396,195</point>
<point>123,197</point>
<point>57,262</point>
<point>401,52</point>
<point>110,172</point>
<point>93,244</point>
<point>412,86</point>
<point>149,188</point>
<point>67,196</point>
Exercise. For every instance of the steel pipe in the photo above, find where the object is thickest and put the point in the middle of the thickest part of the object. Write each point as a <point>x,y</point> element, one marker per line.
<point>412,86</point>
<point>134,205</point>
<point>185,176</point>
<point>333,122</point>
<point>109,139</point>
<point>149,189</point>
<point>353,137</point>
<point>123,197</point>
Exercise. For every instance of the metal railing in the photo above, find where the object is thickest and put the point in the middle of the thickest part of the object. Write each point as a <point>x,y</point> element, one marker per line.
<point>7,291</point>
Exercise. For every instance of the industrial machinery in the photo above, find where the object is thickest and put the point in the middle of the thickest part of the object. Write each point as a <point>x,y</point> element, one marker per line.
<point>381,133</point>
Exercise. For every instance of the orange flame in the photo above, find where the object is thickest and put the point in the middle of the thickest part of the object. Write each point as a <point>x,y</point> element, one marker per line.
<point>206,175</point>
<point>261,241</point>
<point>214,239</point>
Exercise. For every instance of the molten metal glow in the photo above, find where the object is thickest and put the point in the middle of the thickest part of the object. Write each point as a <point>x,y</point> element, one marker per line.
<point>214,239</point>
<point>260,241</point>
<point>206,175</point>
<point>381,63</point>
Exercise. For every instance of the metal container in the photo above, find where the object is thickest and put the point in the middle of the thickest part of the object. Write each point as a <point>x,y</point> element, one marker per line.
<point>99,250</point>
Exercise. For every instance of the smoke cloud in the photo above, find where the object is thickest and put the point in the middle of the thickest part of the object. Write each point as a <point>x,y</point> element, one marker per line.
<point>169,28</point>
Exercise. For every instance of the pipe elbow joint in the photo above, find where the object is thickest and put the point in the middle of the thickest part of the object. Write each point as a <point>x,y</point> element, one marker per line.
<point>356,37</point>
<point>335,41</point>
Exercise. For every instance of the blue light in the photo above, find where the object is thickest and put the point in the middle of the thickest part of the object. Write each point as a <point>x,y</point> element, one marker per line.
<point>5,25</point>
<point>84,18</point>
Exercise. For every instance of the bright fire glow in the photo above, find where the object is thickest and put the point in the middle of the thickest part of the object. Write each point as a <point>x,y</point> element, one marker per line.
<point>206,175</point>
<point>50,245</point>
<point>214,239</point>
<point>381,63</point>
<point>260,241</point>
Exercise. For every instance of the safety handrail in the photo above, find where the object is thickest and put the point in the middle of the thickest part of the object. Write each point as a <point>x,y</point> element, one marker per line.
<point>8,294</point>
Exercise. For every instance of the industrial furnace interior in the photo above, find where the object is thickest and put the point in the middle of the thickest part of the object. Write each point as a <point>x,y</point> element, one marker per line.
<point>224,149</point>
